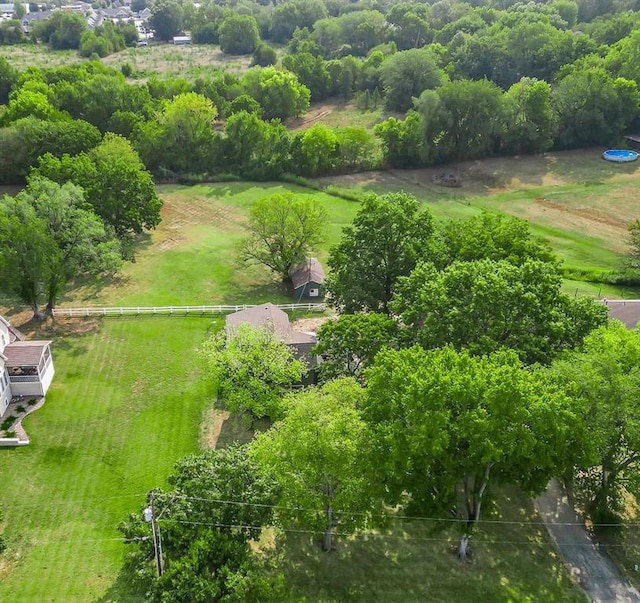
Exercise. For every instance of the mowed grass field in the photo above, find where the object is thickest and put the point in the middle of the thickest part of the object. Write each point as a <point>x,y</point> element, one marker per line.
<point>125,404</point>
<point>577,201</point>
<point>128,400</point>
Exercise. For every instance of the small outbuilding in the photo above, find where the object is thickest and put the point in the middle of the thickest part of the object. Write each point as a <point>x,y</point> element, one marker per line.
<point>307,279</point>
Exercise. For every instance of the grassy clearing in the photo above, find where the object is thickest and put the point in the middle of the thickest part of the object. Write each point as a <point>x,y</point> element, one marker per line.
<point>412,562</point>
<point>189,62</point>
<point>337,113</point>
<point>125,404</point>
<point>163,59</point>
<point>578,202</point>
<point>192,259</point>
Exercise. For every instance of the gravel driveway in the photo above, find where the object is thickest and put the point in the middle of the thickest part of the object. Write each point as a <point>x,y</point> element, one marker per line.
<point>593,568</point>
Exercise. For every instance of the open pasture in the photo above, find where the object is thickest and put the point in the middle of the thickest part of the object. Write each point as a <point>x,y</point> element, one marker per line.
<point>161,59</point>
<point>578,202</point>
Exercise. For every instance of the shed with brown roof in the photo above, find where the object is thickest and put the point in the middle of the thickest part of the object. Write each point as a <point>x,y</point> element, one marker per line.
<point>307,279</point>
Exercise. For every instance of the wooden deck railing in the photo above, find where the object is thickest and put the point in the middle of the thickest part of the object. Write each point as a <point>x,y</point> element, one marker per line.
<point>171,310</point>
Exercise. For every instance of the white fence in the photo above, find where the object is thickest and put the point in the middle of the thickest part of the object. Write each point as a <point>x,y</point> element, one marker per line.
<point>178,310</point>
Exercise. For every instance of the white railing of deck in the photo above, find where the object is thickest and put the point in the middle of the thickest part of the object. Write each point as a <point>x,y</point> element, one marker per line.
<point>169,310</point>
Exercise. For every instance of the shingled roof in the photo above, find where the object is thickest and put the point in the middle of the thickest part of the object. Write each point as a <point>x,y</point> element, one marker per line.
<point>261,316</point>
<point>272,316</point>
<point>24,353</point>
<point>309,271</point>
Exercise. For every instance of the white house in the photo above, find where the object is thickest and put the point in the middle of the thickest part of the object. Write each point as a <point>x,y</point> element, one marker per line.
<point>26,367</point>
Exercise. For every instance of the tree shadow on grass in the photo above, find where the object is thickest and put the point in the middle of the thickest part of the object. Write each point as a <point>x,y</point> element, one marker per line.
<point>122,591</point>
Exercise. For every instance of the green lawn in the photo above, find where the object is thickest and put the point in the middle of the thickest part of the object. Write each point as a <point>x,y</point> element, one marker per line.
<point>413,562</point>
<point>125,404</point>
<point>192,257</point>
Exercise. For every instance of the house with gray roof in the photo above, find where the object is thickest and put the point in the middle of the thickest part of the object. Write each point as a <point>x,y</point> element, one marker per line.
<point>270,316</point>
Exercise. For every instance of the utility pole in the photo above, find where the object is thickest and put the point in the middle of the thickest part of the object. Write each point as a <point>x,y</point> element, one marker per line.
<point>150,517</point>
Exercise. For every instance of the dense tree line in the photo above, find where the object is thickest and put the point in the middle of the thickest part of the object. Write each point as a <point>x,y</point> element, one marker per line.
<point>461,81</point>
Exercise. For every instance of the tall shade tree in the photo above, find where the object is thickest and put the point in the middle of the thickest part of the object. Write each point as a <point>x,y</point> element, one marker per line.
<point>84,246</point>
<point>166,19</point>
<point>250,369</point>
<point>218,501</point>
<point>254,148</point>
<point>349,344</point>
<point>532,122</point>
<point>594,108</point>
<point>486,305</point>
<point>116,183</point>
<point>472,117</point>
<point>388,237</point>
<point>181,139</point>
<point>317,455</point>
<point>446,426</point>
<point>283,230</point>
<point>279,92</point>
<point>239,34</point>
<point>405,75</point>
<point>492,236</point>
<point>604,375</point>
<point>48,238</point>
<point>26,253</point>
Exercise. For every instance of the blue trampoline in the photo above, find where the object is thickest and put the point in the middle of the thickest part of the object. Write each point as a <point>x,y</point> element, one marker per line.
<point>620,155</point>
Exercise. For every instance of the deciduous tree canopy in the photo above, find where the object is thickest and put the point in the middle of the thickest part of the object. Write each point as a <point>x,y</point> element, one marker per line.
<point>283,229</point>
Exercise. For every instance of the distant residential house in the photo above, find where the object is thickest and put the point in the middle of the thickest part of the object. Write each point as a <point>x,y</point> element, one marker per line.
<point>31,18</point>
<point>270,316</point>
<point>308,279</point>
<point>7,10</point>
<point>26,367</point>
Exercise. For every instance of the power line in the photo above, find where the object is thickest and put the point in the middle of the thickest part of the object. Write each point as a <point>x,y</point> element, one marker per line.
<point>395,516</point>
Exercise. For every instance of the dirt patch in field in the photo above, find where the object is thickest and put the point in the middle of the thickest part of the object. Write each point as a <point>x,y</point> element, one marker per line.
<point>212,426</point>
<point>181,211</point>
<point>310,325</point>
<point>588,213</point>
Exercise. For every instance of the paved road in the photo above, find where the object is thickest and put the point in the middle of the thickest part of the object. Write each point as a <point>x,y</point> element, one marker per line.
<point>595,571</point>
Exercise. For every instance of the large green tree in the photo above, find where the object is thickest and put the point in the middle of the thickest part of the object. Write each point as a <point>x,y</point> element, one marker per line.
<point>49,237</point>
<point>283,229</point>
<point>218,501</point>
<point>166,19</point>
<point>181,140</point>
<point>317,453</point>
<point>278,92</point>
<point>349,344</point>
<point>239,34</point>
<point>405,75</point>
<point>447,426</point>
<point>530,117</point>
<point>493,236</point>
<point>116,183</point>
<point>603,376</point>
<point>472,118</point>
<point>250,369</point>
<point>255,149</point>
<point>388,237</point>
<point>486,305</point>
